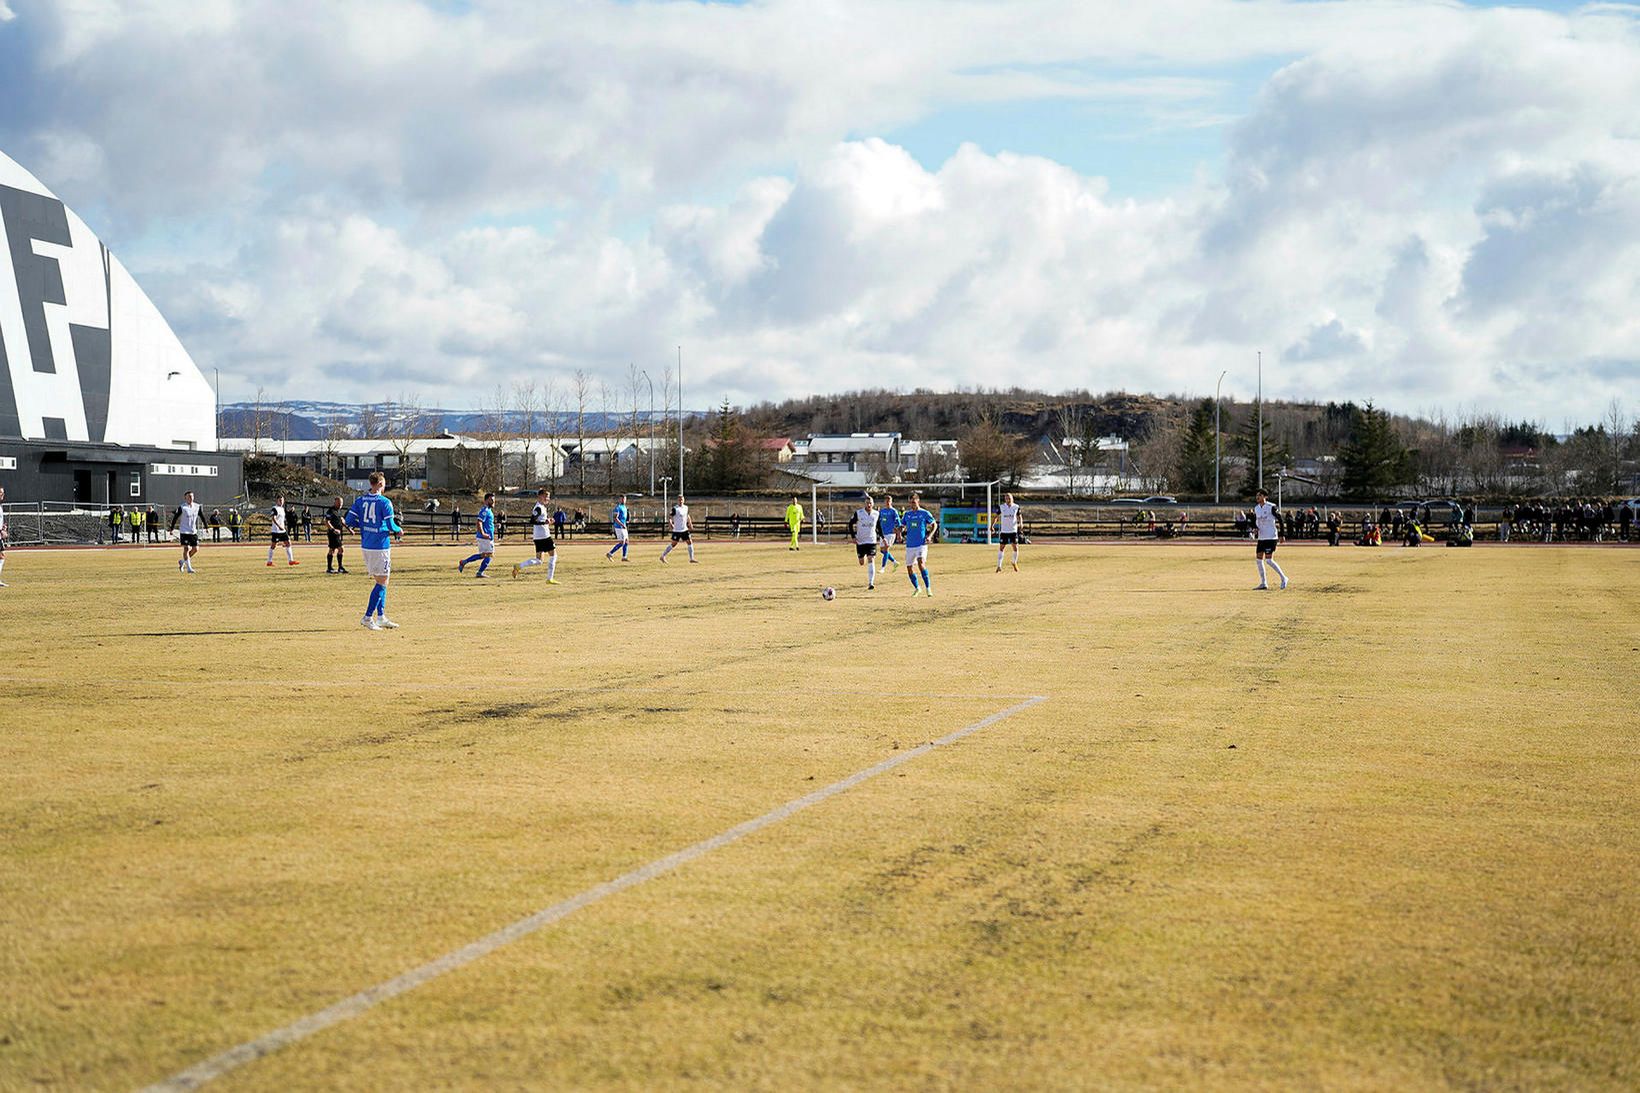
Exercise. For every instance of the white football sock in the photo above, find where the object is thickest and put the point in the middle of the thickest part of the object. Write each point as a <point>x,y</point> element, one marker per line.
<point>1261,579</point>
<point>527,562</point>
<point>552,565</point>
<point>871,571</point>
<point>1277,568</point>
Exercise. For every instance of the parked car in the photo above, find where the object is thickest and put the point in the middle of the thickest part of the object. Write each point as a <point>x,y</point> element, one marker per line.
<point>1127,501</point>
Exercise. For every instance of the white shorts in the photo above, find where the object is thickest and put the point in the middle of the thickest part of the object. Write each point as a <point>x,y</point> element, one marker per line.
<point>484,546</point>
<point>378,563</point>
<point>620,535</point>
<point>913,554</point>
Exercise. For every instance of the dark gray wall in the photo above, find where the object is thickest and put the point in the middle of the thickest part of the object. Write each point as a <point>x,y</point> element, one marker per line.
<point>78,472</point>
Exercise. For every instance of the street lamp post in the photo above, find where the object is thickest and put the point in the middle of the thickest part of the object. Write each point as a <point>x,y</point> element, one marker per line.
<point>651,432</point>
<point>1218,460</point>
<point>666,502</point>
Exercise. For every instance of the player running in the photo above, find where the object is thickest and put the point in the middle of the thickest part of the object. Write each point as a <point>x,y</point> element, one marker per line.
<point>483,538</point>
<point>541,528</point>
<point>681,531</point>
<point>888,526</point>
<point>794,521</point>
<point>617,524</point>
<point>279,531</point>
<point>335,528</point>
<point>1008,530</point>
<point>920,529</point>
<point>372,517</point>
<point>185,521</point>
<point>863,526</point>
<point>1266,521</point>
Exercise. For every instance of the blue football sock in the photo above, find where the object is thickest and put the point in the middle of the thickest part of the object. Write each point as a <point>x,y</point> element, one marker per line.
<point>623,549</point>
<point>483,565</point>
<point>887,557</point>
<point>912,573</point>
<point>925,581</point>
<point>370,604</point>
<point>381,599</point>
<point>470,559</point>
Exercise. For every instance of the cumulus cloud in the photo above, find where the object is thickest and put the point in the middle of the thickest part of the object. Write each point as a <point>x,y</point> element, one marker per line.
<point>1423,203</point>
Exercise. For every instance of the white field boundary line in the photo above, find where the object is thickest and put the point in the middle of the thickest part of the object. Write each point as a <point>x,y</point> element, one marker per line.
<point>467,683</point>
<point>367,999</point>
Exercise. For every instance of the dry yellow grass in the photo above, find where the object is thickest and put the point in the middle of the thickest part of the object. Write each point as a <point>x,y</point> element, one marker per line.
<point>1378,831</point>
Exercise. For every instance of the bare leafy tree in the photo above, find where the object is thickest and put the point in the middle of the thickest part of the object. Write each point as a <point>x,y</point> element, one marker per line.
<point>402,428</point>
<point>526,400</point>
<point>582,387</point>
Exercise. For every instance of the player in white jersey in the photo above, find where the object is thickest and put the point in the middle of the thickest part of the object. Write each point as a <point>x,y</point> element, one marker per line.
<point>681,531</point>
<point>5,533</point>
<point>1268,530</point>
<point>541,527</point>
<point>1008,530</point>
<point>279,531</point>
<point>863,526</point>
<point>185,521</point>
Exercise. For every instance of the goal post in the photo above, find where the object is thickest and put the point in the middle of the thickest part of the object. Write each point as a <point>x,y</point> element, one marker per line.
<point>962,490</point>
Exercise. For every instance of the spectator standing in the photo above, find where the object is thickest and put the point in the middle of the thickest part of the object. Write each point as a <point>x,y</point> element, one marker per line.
<point>151,519</point>
<point>233,524</point>
<point>307,524</point>
<point>114,523</point>
<point>216,525</point>
<point>559,519</point>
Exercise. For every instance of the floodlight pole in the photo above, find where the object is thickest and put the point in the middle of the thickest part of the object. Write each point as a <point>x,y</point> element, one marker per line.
<point>988,511</point>
<point>680,419</point>
<point>1261,419</point>
<point>1218,460</point>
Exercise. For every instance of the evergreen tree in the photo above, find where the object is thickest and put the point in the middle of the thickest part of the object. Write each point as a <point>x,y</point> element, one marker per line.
<point>1198,450</point>
<point>730,458</point>
<point>1276,455</point>
<point>1374,461</point>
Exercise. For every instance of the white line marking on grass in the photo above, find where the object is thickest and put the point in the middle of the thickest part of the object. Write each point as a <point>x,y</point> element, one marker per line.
<point>348,1008</point>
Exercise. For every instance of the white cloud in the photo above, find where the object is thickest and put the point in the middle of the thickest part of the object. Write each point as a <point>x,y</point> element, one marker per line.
<point>1425,203</point>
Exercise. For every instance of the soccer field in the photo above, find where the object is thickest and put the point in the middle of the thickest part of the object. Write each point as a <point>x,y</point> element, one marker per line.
<point>1376,831</point>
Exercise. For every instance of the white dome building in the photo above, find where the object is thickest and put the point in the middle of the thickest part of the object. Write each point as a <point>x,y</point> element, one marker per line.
<point>99,401</point>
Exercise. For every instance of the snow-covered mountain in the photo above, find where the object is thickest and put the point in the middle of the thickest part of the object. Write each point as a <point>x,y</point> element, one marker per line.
<point>311,420</point>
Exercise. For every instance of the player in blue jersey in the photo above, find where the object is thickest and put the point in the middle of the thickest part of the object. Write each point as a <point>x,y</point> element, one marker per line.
<point>372,517</point>
<point>617,524</point>
<point>483,538</point>
<point>888,526</point>
<point>920,528</point>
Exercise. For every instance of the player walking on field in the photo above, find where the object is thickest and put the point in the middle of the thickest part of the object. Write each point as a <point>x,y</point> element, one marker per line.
<point>372,517</point>
<point>541,529</point>
<point>185,521</point>
<point>863,526</point>
<point>920,528</point>
<point>681,531</point>
<point>1266,519</point>
<point>888,526</point>
<point>483,538</point>
<point>279,531</point>
<point>617,524</point>
<point>794,521</point>
<point>1008,530</point>
<point>335,528</point>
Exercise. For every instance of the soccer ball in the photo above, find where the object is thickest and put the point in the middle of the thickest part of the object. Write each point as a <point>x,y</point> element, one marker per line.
<point>828,593</point>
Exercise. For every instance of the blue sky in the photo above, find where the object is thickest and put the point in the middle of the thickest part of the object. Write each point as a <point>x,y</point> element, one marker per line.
<point>1423,202</point>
